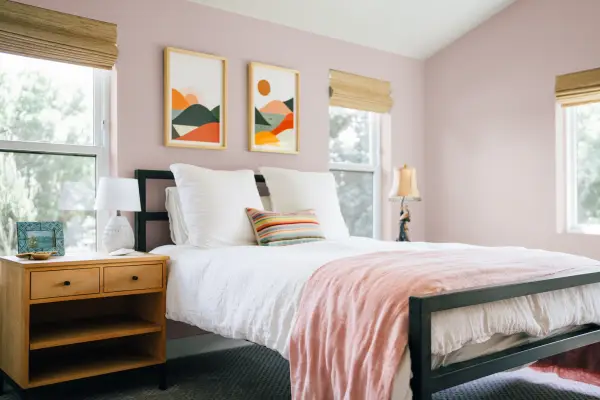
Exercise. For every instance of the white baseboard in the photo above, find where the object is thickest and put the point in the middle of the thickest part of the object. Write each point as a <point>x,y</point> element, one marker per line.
<point>193,345</point>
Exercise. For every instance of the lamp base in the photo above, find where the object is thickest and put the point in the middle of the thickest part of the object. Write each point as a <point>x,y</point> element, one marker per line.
<point>118,234</point>
<point>403,223</point>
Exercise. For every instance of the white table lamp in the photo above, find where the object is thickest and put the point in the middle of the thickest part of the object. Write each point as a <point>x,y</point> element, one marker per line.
<point>404,188</point>
<point>118,194</point>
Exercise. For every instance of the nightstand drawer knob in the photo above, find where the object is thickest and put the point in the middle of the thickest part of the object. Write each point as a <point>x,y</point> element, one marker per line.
<point>67,283</point>
<point>135,278</point>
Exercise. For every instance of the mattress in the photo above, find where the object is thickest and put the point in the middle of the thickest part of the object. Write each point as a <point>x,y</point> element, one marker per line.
<point>252,293</point>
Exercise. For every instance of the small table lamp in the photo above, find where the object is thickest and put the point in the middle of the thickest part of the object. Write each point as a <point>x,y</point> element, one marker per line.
<point>404,188</point>
<point>118,194</point>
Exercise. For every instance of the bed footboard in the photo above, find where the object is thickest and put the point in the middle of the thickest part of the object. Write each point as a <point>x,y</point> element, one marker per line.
<point>426,381</point>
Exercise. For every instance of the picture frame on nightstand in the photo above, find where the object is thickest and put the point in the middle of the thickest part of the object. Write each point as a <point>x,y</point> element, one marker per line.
<point>41,237</point>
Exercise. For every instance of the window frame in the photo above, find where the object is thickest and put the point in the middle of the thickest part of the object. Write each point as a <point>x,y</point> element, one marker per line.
<point>99,150</point>
<point>567,174</point>
<point>374,167</point>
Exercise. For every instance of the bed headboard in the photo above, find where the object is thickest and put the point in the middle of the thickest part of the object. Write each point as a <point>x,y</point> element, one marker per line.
<point>143,217</point>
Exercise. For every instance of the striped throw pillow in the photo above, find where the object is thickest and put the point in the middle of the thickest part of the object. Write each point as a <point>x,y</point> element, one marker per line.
<point>284,229</point>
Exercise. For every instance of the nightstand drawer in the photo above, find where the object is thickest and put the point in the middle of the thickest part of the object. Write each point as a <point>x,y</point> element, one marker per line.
<point>68,282</point>
<point>133,277</point>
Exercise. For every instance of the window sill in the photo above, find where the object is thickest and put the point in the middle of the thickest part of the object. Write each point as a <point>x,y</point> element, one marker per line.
<point>584,229</point>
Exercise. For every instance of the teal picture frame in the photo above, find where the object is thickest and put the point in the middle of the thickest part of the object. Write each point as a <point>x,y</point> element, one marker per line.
<point>40,236</point>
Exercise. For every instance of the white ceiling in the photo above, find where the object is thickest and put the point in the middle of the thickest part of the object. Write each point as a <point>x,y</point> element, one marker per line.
<point>413,28</point>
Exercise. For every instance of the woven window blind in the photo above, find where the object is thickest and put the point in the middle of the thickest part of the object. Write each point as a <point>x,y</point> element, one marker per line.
<point>37,32</point>
<point>578,87</point>
<point>359,92</point>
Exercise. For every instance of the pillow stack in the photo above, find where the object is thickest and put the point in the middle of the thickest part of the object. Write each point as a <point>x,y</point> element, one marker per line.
<point>294,190</point>
<point>214,205</point>
<point>224,208</point>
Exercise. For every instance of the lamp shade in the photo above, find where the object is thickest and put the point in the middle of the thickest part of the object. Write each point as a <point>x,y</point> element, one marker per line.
<point>404,184</point>
<point>120,194</point>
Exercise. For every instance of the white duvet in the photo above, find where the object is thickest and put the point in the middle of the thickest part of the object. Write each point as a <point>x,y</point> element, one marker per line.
<point>252,293</point>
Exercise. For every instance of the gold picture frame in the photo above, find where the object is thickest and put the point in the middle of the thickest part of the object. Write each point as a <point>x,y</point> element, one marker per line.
<point>195,100</point>
<point>274,97</point>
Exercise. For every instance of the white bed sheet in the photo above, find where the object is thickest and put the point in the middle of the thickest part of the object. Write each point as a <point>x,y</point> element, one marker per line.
<point>252,293</point>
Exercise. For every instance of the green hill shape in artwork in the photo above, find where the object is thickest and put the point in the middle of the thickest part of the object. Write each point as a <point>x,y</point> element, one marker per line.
<point>217,113</point>
<point>290,104</point>
<point>259,119</point>
<point>262,128</point>
<point>195,115</point>
<point>175,113</point>
<point>273,119</point>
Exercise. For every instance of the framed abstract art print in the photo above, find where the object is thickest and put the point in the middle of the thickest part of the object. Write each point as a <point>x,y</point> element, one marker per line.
<point>273,114</point>
<point>195,100</point>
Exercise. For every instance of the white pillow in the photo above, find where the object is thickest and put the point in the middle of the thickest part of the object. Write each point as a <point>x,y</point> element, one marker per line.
<point>292,191</point>
<point>214,205</point>
<point>177,225</point>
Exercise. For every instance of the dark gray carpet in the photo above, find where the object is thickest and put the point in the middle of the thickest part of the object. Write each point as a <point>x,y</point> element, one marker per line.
<point>256,373</point>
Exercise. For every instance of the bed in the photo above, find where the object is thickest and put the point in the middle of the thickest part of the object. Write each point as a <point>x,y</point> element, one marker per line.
<point>257,302</point>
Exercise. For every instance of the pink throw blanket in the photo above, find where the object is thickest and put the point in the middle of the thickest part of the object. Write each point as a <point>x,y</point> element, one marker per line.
<point>351,328</point>
<point>582,364</point>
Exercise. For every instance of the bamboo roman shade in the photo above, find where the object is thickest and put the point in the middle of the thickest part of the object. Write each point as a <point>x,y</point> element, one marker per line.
<point>359,92</point>
<point>578,87</point>
<point>36,32</point>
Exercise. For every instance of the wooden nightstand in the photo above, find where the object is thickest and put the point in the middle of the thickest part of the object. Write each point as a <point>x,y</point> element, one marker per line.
<point>74,317</point>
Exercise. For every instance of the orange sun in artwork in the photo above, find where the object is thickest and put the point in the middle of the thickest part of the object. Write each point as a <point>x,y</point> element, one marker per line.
<point>264,87</point>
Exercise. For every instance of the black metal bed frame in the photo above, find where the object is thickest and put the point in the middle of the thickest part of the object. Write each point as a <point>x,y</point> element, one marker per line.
<point>426,381</point>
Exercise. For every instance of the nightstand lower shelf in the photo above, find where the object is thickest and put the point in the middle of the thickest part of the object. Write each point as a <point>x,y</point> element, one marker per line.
<point>87,330</point>
<point>56,365</point>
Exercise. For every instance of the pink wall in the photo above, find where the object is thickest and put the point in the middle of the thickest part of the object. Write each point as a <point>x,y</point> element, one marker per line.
<point>145,27</point>
<point>490,126</point>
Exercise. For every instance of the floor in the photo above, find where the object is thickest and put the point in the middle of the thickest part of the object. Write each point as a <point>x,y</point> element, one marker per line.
<point>256,373</point>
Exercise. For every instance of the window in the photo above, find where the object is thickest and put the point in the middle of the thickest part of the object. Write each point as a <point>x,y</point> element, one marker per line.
<point>52,147</point>
<point>582,128</point>
<point>354,137</point>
